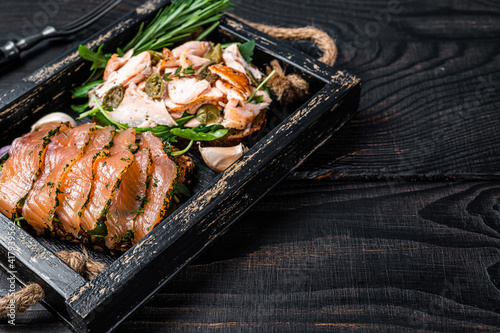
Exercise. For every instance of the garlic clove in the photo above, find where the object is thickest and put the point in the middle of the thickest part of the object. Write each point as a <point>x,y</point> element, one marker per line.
<point>220,158</point>
<point>52,118</point>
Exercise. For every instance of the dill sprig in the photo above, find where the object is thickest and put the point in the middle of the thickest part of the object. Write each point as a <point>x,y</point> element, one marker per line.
<point>177,22</point>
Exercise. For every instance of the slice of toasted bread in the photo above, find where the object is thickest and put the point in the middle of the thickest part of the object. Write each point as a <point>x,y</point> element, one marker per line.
<point>234,136</point>
<point>185,166</point>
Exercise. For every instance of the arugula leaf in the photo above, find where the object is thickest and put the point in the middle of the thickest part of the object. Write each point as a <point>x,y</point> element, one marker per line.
<point>184,119</point>
<point>207,128</point>
<point>101,230</point>
<point>99,59</point>
<point>192,134</point>
<point>4,157</point>
<point>246,50</point>
<point>102,117</point>
<point>258,99</point>
<point>182,189</point>
<point>83,91</point>
<point>180,152</point>
<point>80,108</point>
<point>120,52</point>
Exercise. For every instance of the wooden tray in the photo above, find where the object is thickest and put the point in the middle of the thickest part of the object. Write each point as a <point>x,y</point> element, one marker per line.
<point>291,135</point>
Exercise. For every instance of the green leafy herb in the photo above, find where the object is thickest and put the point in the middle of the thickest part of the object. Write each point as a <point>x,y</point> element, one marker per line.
<point>252,96</point>
<point>166,77</point>
<point>83,91</point>
<point>208,30</point>
<point>180,152</point>
<point>144,200</point>
<point>188,70</point>
<point>246,50</point>
<point>258,99</point>
<point>178,72</point>
<point>192,134</point>
<point>100,230</point>
<point>207,128</point>
<point>80,108</point>
<point>184,119</point>
<point>155,181</point>
<point>4,158</point>
<point>182,189</point>
<point>100,115</point>
<point>128,236</point>
<point>120,52</point>
<point>99,59</point>
<point>177,22</point>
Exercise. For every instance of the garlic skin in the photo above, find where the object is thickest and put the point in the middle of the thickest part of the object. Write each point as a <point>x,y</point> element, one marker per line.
<point>52,118</point>
<point>220,158</point>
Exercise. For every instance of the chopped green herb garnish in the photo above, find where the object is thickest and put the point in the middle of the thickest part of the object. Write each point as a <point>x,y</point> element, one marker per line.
<point>188,70</point>
<point>128,236</point>
<point>178,72</point>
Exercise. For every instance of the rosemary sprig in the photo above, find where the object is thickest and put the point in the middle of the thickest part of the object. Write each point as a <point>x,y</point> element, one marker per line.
<point>176,22</point>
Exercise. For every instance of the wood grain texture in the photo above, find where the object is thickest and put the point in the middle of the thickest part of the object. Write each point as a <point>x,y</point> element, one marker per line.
<point>417,253</point>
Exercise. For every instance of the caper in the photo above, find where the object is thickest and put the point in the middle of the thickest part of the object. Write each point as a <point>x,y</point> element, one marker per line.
<point>252,78</point>
<point>208,114</point>
<point>154,86</point>
<point>216,54</point>
<point>203,71</point>
<point>113,97</point>
<point>156,57</point>
<point>212,78</point>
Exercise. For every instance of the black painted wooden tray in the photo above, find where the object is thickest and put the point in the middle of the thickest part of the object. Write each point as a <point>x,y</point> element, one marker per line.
<point>292,134</point>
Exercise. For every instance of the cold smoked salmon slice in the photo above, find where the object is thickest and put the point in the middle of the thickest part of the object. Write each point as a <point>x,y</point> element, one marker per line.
<point>64,150</point>
<point>160,189</point>
<point>108,175</point>
<point>23,167</point>
<point>75,189</point>
<point>129,199</point>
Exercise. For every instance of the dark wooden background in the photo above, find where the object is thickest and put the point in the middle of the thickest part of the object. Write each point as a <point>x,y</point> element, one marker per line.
<point>392,225</point>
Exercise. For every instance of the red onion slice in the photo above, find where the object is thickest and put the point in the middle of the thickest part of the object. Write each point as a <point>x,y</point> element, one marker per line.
<point>4,150</point>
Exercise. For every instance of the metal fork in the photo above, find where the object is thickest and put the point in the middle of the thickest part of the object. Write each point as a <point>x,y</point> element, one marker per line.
<point>13,48</point>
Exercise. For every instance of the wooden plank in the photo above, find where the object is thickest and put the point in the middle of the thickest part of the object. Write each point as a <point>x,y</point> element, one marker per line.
<point>427,109</point>
<point>394,20</point>
<point>24,258</point>
<point>329,255</point>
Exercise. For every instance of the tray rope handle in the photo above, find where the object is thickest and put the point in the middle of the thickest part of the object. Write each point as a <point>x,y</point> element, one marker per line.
<point>287,88</point>
<point>290,88</point>
<point>33,293</point>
